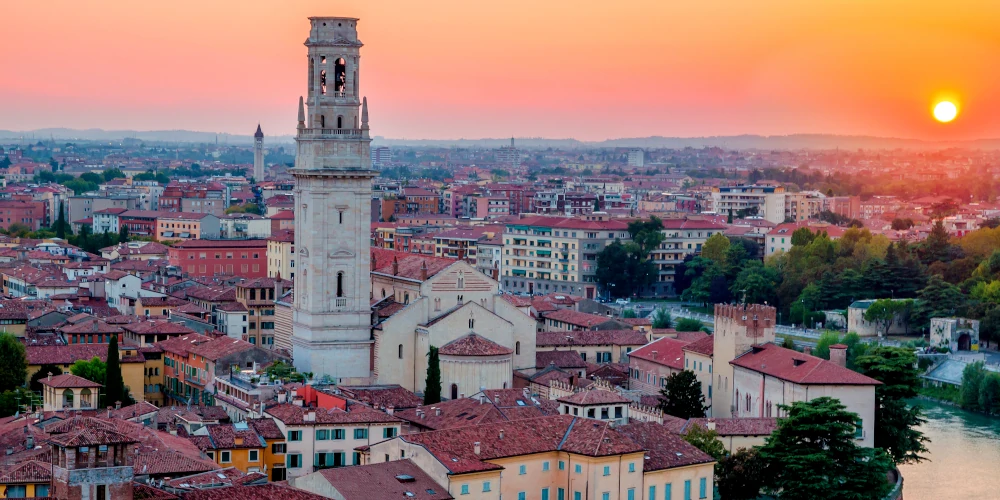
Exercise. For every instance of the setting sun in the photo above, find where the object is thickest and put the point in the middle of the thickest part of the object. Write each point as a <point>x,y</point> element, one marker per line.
<point>945,111</point>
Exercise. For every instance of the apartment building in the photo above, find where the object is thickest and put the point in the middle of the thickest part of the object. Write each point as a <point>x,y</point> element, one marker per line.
<point>804,205</point>
<point>258,296</point>
<point>246,258</point>
<point>682,237</point>
<point>461,243</point>
<point>186,226</point>
<point>765,201</point>
<point>556,254</point>
<point>281,255</point>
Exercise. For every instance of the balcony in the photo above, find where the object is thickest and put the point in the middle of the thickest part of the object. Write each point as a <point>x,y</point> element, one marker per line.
<point>340,303</point>
<point>347,133</point>
<point>194,380</point>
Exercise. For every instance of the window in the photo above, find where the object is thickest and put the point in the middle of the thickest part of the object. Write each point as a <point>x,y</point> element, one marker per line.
<point>522,470</point>
<point>631,494</point>
<point>545,466</point>
<point>295,435</point>
<point>465,489</point>
<point>486,486</point>
<point>278,448</point>
<point>254,455</point>
<point>338,434</point>
<point>607,470</point>
<point>545,494</point>
<point>322,434</point>
<point>517,347</point>
<point>702,487</point>
<point>225,456</point>
<point>560,494</point>
<point>859,431</point>
<point>562,465</point>
<point>631,467</point>
<point>389,432</point>
<point>687,489</point>
<point>522,495</point>
<point>340,284</point>
<point>652,493</point>
<point>578,469</point>
<point>606,496</point>
<point>577,495</point>
<point>400,355</point>
<point>360,433</point>
<point>329,459</point>
<point>666,492</point>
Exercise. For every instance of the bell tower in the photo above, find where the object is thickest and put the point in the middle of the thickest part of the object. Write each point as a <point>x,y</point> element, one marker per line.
<point>258,155</point>
<point>331,332</point>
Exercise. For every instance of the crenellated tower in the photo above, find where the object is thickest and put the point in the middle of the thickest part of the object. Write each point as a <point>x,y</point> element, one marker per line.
<point>737,329</point>
<point>331,313</point>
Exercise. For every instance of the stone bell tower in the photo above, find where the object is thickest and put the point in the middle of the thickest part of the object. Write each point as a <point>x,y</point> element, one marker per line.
<point>331,313</point>
<point>258,155</point>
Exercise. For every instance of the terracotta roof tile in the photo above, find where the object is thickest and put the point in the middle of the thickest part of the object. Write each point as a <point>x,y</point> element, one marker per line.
<point>591,337</point>
<point>474,344</point>
<point>575,318</point>
<point>67,380</point>
<point>32,471</point>
<point>380,480</point>
<point>561,359</point>
<point>737,426</point>
<point>290,414</point>
<point>705,346</point>
<point>799,368</point>
<point>663,351</point>
<point>594,397</point>
<point>408,265</point>
<point>269,491</point>
<point>382,396</point>
<point>664,449</point>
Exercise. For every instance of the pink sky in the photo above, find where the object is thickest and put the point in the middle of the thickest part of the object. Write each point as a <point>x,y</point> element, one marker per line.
<point>553,68</point>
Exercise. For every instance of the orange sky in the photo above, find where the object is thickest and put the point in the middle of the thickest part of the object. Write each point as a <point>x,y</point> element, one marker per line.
<point>495,68</point>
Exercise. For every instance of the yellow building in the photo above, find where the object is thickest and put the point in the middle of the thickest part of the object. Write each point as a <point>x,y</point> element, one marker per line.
<point>233,445</point>
<point>281,255</point>
<point>274,452</point>
<point>186,226</point>
<point>556,457</point>
<point>25,480</point>
<point>156,306</point>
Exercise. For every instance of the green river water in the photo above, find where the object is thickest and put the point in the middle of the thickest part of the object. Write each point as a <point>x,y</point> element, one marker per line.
<point>964,456</point>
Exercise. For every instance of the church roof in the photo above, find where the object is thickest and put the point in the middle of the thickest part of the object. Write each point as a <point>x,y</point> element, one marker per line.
<point>473,344</point>
<point>259,134</point>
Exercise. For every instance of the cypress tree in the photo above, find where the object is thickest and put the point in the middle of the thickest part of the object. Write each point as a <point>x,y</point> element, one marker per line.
<point>123,234</point>
<point>61,222</point>
<point>432,391</point>
<point>114,385</point>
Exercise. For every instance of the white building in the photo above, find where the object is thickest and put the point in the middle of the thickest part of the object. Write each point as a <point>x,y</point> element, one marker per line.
<point>636,158</point>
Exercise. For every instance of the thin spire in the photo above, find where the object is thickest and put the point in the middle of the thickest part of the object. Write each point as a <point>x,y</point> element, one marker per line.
<point>302,113</point>
<point>364,113</point>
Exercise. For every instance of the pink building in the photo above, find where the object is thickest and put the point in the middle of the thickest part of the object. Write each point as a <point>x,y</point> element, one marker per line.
<point>650,365</point>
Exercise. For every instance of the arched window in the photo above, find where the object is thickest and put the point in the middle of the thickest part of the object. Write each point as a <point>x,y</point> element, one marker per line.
<point>383,293</point>
<point>472,323</point>
<point>340,284</point>
<point>339,75</point>
<point>322,81</point>
<point>68,398</point>
<point>461,280</point>
<point>454,391</point>
<point>340,121</point>
<point>406,297</point>
<point>437,303</point>
<point>748,402</point>
<point>85,401</point>
<point>400,351</point>
<point>517,347</point>
<point>322,121</point>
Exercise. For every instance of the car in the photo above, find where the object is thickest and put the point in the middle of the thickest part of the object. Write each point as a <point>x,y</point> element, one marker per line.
<point>622,302</point>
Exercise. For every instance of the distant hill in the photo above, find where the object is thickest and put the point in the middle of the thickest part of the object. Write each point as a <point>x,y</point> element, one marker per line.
<point>787,142</point>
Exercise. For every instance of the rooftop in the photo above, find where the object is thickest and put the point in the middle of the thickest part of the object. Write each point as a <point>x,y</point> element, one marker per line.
<point>796,367</point>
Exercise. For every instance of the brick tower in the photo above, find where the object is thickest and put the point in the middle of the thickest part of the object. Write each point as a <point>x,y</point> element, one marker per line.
<point>737,329</point>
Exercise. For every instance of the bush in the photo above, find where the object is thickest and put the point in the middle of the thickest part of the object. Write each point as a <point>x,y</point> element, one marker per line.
<point>688,325</point>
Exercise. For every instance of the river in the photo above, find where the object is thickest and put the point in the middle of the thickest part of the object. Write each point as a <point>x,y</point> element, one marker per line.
<point>963,456</point>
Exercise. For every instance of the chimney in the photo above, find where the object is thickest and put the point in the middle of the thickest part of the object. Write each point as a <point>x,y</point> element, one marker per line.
<point>654,354</point>
<point>475,447</point>
<point>710,424</point>
<point>93,325</point>
<point>310,416</point>
<point>501,433</point>
<point>437,411</point>
<point>118,405</point>
<point>30,442</point>
<point>395,266</point>
<point>390,409</point>
<point>423,270</point>
<point>808,350</point>
<point>109,412</point>
<point>838,354</point>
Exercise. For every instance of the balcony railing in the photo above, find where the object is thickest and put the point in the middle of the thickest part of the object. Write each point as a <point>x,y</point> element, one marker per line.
<point>340,303</point>
<point>351,133</point>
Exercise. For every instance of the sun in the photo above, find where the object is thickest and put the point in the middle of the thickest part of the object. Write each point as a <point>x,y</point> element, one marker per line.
<point>945,111</point>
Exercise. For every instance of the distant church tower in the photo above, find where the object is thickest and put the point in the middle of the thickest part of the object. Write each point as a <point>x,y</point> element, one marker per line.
<point>331,314</point>
<point>258,155</point>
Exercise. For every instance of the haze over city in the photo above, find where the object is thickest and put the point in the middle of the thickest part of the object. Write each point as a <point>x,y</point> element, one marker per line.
<point>560,69</point>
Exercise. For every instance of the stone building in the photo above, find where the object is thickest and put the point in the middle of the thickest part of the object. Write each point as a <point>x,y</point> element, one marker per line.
<point>331,314</point>
<point>957,334</point>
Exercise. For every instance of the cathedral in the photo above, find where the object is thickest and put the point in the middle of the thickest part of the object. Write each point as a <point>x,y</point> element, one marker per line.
<point>364,316</point>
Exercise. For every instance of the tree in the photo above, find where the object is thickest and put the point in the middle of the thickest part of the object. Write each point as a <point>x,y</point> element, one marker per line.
<point>113,173</point>
<point>629,313</point>
<point>715,248</point>
<point>14,367</point>
<point>687,325</point>
<point>661,319</point>
<point>895,421</point>
<point>935,246</point>
<point>623,269</point>
<point>706,441</point>
<point>813,455</point>
<point>123,234</point>
<point>61,222</point>
<point>883,312</point>
<point>114,384</point>
<point>19,399</point>
<point>972,378</point>
<point>742,475</point>
<point>682,396</point>
<point>901,224</point>
<point>35,383</point>
<point>93,370</point>
<point>936,300</point>
<point>802,236</point>
<point>432,391</point>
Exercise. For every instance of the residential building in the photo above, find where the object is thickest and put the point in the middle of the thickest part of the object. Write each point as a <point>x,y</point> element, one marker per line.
<point>320,438</point>
<point>187,226</point>
<point>242,226</point>
<point>594,346</point>
<point>257,296</point>
<point>461,243</point>
<point>779,239</point>
<point>556,254</point>
<point>192,362</point>
<point>651,364</point>
<point>281,255</point>
<point>399,479</point>
<point>106,221</point>
<point>804,205</point>
<point>489,256</point>
<point>764,201</point>
<point>246,258</point>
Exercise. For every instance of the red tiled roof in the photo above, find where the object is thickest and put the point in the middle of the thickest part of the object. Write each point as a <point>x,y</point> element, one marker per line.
<point>799,368</point>
<point>380,480</point>
<point>227,436</point>
<point>561,359</point>
<point>737,426</point>
<point>290,414</point>
<point>217,479</point>
<point>382,396</point>
<point>64,354</point>
<point>705,346</point>
<point>636,321</point>
<point>663,351</point>
<point>92,326</point>
<point>32,471</point>
<point>590,337</point>
<point>220,347</point>
<point>575,318</point>
<point>409,265</point>
<point>473,344</point>
<point>516,300</point>
<point>569,223</point>
<point>594,397</point>
<point>67,380</point>
<point>664,449</point>
<point>266,428</point>
<point>453,447</point>
<point>269,491</point>
<point>193,244</point>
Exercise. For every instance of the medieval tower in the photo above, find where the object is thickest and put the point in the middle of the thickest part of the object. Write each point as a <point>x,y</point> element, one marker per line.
<point>737,329</point>
<point>258,155</point>
<point>330,312</point>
